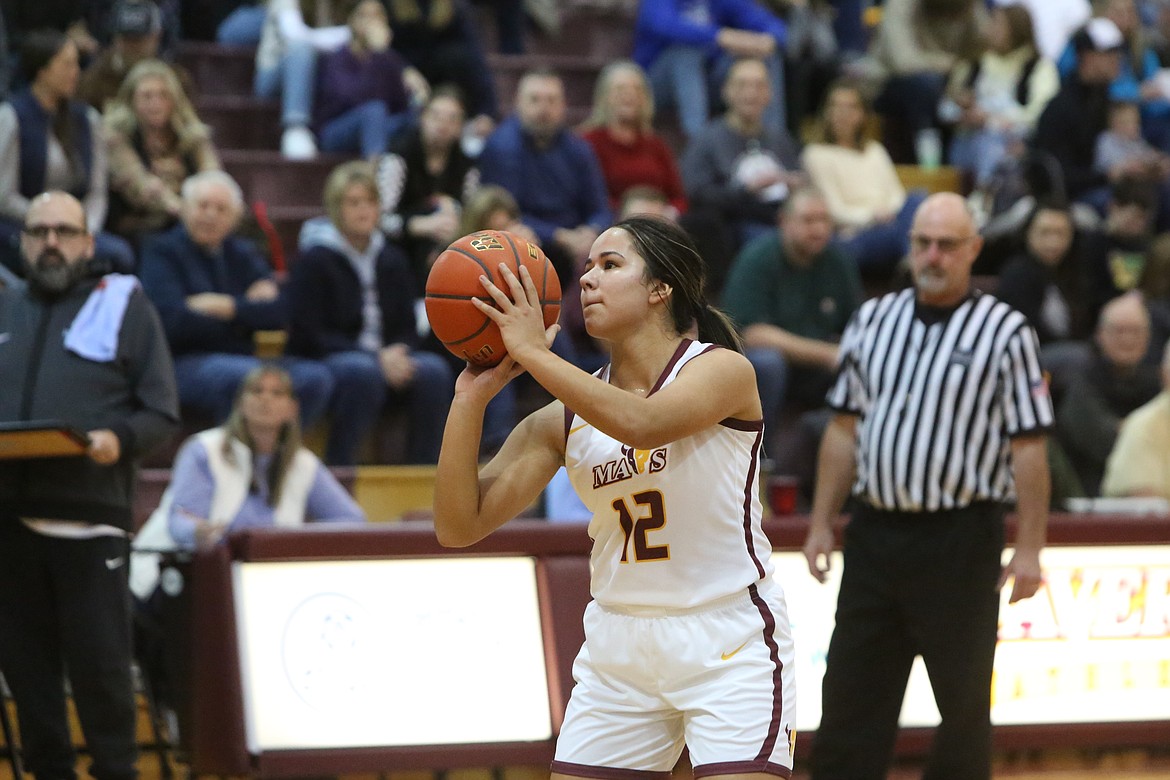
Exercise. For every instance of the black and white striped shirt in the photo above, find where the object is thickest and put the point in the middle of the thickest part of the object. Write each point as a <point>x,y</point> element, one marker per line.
<point>938,399</point>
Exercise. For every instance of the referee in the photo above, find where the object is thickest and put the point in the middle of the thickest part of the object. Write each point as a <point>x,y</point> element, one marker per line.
<point>941,409</point>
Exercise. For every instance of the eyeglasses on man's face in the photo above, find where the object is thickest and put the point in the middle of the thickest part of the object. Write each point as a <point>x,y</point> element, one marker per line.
<point>63,232</point>
<point>945,244</point>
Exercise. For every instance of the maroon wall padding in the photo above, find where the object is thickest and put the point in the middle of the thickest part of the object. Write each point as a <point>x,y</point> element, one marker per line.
<point>563,587</point>
<point>217,744</point>
<point>562,553</point>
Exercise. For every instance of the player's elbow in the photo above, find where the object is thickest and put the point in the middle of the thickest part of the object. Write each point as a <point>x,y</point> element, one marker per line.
<point>452,533</point>
<point>452,537</point>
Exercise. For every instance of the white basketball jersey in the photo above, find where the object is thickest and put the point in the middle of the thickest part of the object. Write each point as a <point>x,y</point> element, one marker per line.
<point>676,526</point>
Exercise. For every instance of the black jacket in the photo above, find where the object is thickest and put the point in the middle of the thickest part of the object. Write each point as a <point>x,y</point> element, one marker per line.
<point>133,395</point>
<point>325,301</point>
<point>1068,129</point>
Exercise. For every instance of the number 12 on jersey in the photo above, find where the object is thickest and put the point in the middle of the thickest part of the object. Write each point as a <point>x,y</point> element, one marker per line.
<point>651,517</point>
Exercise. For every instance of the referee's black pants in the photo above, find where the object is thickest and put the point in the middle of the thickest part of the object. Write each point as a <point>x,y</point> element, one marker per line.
<point>65,610</point>
<point>913,584</point>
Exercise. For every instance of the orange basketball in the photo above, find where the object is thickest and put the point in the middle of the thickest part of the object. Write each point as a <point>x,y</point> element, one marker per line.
<point>454,281</point>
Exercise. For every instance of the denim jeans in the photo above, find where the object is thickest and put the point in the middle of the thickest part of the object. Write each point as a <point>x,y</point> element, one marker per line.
<point>242,26</point>
<point>365,129</point>
<point>361,393</point>
<point>980,151</point>
<point>771,382</point>
<point>848,25</point>
<point>209,381</point>
<point>117,250</point>
<point>293,79</point>
<point>684,77</point>
<point>881,246</point>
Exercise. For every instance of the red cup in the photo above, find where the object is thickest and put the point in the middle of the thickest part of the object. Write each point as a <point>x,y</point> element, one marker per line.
<point>782,491</point>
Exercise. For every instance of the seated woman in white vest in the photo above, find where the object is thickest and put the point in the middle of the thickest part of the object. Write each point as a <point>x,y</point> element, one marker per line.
<point>250,472</point>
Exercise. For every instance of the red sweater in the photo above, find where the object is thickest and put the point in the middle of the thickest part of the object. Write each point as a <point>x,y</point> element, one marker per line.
<point>647,161</point>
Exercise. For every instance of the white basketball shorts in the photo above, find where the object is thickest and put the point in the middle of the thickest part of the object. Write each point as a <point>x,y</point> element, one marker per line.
<point>718,678</point>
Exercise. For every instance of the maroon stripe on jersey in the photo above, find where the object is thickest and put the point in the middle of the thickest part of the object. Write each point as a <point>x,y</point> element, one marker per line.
<point>606,772</point>
<point>741,767</point>
<point>742,425</point>
<point>748,537</point>
<point>677,356</point>
<point>777,676</point>
<point>569,415</point>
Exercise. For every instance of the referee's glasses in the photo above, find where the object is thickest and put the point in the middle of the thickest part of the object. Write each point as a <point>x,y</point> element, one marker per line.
<point>945,244</point>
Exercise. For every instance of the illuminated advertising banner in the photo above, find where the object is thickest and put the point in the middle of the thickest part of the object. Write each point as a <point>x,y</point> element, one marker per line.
<point>1092,646</point>
<point>340,654</point>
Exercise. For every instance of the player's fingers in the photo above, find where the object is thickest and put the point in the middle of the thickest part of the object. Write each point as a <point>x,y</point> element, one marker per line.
<point>550,334</point>
<point>492,312</point>
<point>513,283</point>
<point>490,287</point>
<point>529,286</point>
<point>496,294</point>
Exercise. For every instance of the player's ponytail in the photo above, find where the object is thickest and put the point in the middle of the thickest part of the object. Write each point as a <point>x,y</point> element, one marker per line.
<point>715,327</point>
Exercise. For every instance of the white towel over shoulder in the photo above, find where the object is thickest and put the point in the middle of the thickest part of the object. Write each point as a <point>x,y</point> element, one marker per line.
<point>94,332</point>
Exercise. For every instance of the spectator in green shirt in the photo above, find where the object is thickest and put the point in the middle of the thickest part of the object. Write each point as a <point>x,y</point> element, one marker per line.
<point>790,294</point>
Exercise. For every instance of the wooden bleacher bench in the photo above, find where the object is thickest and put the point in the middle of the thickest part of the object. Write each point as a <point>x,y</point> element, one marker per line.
<point>270,343</point>
<point>391,493</point>
<point>945,178</point>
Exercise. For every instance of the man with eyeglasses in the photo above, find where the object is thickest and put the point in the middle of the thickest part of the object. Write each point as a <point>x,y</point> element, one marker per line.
<point>941,413</point>
<point>89,354</point>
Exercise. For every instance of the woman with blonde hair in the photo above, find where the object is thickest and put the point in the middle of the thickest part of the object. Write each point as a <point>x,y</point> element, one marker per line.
<point>621,132</point>
<point>155,141</point>
<point>871,209</point>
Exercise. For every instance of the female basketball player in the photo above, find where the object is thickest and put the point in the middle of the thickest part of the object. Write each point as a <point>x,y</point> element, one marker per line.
<point>687,638</point>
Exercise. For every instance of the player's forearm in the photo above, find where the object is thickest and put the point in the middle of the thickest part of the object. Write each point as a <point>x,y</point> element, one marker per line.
<point>608,408</point>
<point>457,491</point>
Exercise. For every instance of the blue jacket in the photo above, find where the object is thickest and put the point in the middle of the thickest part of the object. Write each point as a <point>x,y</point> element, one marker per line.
<point>664,23</point>
<point>558,187</point>
<point>174,267</point>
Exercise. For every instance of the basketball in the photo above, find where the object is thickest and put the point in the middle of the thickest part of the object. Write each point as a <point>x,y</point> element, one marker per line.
<point>454,280</point>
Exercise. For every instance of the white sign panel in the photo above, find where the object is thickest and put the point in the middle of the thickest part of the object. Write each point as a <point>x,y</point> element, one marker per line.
<point>1093,645</point>
<point>338,654</point>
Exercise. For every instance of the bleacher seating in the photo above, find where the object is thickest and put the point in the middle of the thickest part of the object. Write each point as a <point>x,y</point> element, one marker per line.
<point>246,129</point>
<point>219,70</point>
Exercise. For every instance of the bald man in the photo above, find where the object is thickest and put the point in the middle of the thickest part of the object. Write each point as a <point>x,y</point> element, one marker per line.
<point>90,354</point>
<point>940,410</point>
<point>1139,465</point>
<point>1114,384</point>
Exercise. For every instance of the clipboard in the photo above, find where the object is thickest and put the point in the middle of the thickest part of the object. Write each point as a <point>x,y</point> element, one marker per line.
<point>40,439</point>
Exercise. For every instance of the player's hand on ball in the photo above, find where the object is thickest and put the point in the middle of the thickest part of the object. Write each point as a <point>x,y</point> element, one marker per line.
<point>517,312</point>
<point>489,380</point>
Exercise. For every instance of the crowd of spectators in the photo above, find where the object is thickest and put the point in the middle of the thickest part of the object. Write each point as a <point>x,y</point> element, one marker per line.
<point>775,133</point>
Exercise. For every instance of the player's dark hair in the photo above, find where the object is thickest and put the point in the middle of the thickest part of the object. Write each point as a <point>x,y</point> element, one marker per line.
<point>672,258</point>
